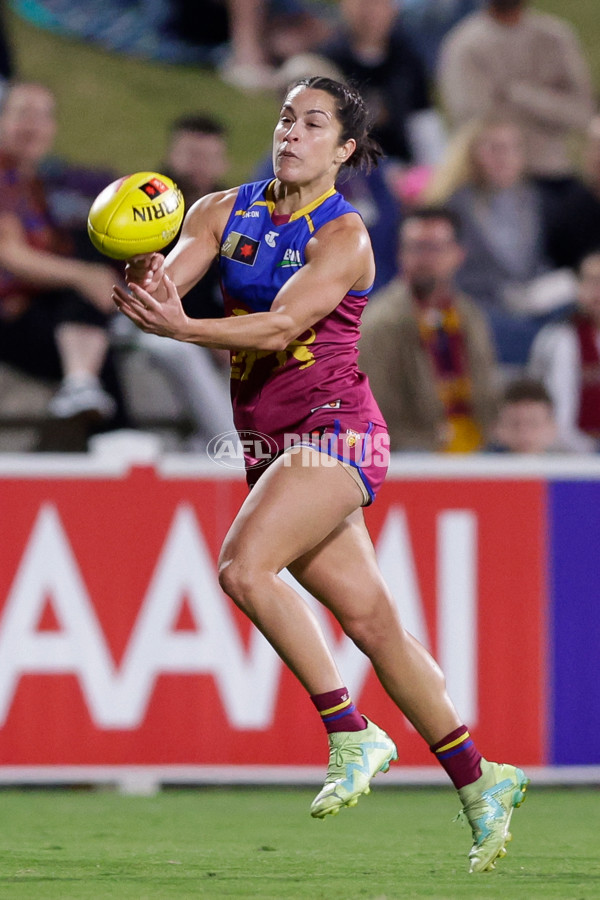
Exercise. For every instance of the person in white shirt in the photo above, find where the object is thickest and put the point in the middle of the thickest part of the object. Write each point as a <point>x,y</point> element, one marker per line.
<point>566,357</point>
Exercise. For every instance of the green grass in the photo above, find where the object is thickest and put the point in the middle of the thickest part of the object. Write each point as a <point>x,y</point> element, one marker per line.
<point>583,16</point>
<point>261,843</point>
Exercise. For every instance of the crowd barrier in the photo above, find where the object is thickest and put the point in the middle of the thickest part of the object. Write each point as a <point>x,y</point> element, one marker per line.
<point>122,660</point>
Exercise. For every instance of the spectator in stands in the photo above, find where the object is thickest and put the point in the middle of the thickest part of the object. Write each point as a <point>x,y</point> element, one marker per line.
<point>372,50</point>
<point>428,21</point>
<point>54,308</point>
<point>426,347</point>
<point>244,37</point>
<point>566,357</point>
<point>574,218</point>
<point>505,269</point>
<point>526,422</point>
<point>264,34</point>
<point>197,159</point>
<point>523,64</point>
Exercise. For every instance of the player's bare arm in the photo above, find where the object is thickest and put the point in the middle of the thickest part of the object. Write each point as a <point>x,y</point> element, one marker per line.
<point>190,259</point>
<point>338,259</point>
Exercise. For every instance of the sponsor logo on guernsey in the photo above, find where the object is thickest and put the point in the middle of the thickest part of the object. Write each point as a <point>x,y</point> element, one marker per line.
<point>270,237</point>
<point>248,213</point>
<point>240,247</point>
<point>291,258</point>
<point>352,437</point>
<point>333,404</point>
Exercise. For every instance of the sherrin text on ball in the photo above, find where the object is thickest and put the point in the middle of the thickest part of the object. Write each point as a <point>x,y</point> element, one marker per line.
<point>136,214</point>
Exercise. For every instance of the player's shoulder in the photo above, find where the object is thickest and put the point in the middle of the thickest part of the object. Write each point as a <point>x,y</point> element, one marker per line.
<point>213,210</point>
<point>348,224</point>
<point>346,233</point>
<point>216,200</point>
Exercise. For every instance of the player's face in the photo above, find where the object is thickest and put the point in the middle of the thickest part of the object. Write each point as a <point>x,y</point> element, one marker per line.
<point>28,123</point>
<point>589,286</point>
<point>307,140</point>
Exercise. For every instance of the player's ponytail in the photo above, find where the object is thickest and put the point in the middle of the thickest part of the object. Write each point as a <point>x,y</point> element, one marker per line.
<point>353,116</point>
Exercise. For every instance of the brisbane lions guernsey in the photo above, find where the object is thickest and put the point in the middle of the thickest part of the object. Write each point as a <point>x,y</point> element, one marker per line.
<point>315,380</point>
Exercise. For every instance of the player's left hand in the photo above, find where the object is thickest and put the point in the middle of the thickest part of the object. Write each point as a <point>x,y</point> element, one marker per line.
<point>164,317</point>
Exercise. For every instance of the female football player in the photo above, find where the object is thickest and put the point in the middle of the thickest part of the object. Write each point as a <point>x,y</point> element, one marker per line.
<point>296,268</point>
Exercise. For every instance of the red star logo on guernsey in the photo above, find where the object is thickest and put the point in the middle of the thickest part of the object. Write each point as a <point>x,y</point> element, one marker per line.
<point>246,250</point>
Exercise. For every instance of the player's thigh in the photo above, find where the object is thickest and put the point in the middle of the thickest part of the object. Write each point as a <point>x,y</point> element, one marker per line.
<point>343,574</point>
<point>292,508</point>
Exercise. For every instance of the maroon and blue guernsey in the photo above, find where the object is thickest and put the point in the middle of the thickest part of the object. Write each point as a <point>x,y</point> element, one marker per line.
<point>314,384</point>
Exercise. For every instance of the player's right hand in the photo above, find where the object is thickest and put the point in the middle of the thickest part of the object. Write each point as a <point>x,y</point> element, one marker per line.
<point>147,270</point>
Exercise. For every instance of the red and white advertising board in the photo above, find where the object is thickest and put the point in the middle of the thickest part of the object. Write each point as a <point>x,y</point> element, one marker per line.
<point>118,647</point>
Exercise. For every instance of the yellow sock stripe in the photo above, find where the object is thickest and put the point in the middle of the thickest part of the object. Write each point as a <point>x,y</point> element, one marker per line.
<point>455,743</point>
<point>328,712</point>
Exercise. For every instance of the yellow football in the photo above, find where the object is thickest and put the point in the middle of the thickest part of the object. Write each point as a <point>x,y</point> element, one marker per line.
<point>136,214</point>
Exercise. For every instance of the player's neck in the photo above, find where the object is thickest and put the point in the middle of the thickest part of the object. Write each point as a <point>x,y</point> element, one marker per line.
<point>289,198</point>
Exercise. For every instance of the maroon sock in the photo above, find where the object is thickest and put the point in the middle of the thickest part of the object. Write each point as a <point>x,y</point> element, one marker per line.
<point>459,756</point>
<point>338,712</point>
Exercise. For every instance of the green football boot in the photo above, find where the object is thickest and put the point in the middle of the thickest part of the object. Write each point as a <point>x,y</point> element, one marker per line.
<point>488,805</point>
<point>355,757</point>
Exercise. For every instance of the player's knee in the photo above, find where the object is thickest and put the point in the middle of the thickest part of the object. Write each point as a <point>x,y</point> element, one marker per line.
<point>372,627</point>
<point>231,577</point>
<point>238,581</point>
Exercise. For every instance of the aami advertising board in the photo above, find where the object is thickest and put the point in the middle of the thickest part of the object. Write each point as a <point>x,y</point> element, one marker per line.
<point>117,646</point>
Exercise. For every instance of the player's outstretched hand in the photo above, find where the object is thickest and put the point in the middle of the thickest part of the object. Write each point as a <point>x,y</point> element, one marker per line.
<point>165,317</point>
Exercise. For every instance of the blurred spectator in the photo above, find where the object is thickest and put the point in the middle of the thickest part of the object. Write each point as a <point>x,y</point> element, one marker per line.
<point>526,422</point>
<point>265,33</point>
<point>372,50</point>
<point>70,191</point>
<point>197,155</point>
<point>371,192</point>
<point>425,346</point>
<point>145,28</point>
<point>197,159</point>
<point>525,65</point>
<point>54,308</point>
<point>574,217</point>
<point>232,34</point>
<point>427,22</point>
<point>505,270</point>
<point>566,357</point>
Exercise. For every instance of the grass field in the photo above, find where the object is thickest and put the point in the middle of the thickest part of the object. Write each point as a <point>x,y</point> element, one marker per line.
<point>261,843</point>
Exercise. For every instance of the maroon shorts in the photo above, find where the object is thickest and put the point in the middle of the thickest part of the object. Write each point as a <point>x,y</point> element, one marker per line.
<point>365,451</point>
